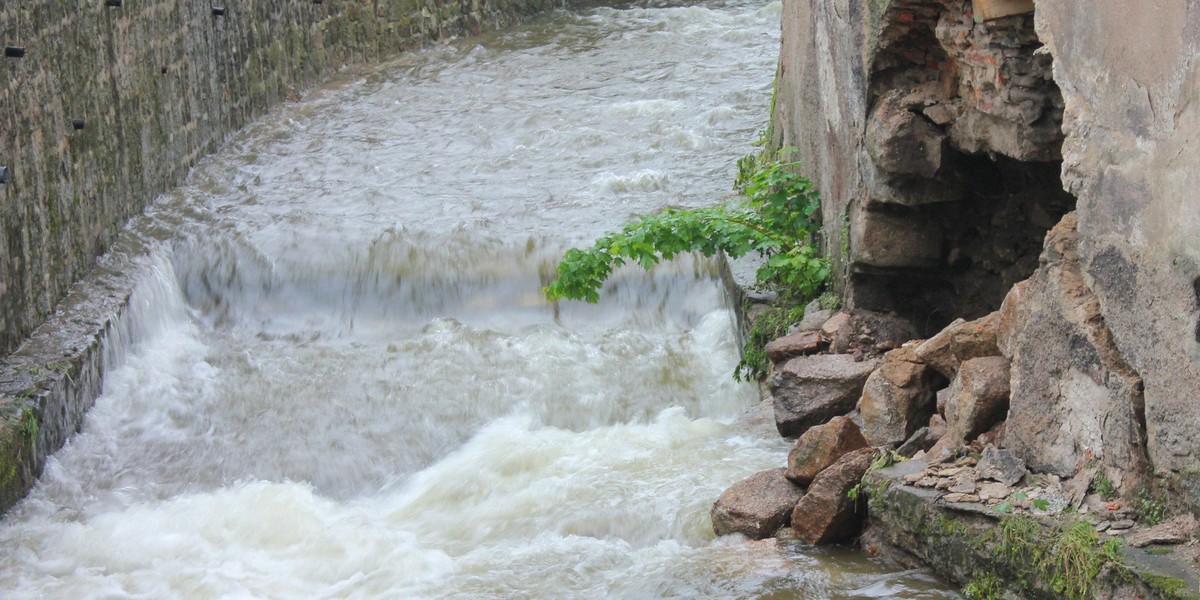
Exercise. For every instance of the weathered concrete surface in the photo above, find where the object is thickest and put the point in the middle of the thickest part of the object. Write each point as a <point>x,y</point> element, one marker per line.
<point>821,103</point>
<point>1074,398</point>
<point>53,379</point>
<point>158,84</point>
<point>1130,156</point>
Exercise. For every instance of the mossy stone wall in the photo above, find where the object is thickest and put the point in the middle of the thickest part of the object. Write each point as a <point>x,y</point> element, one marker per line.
<point>158,84</point>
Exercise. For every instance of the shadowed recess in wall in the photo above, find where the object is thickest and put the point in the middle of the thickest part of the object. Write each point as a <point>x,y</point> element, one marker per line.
<point>1196,287</point>
<point>964,139</point>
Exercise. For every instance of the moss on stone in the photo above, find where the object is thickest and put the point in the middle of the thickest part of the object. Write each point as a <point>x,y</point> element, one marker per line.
<point>1166,586</point>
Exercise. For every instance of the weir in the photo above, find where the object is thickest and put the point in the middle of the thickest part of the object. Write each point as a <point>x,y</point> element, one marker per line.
<point>335,375</point>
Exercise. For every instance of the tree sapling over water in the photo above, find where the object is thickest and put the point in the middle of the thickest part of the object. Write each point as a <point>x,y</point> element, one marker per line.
<point>775,214</point>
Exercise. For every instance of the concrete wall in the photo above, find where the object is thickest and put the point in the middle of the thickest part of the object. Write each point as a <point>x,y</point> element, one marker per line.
<point>1131,82</point>
<point>821,103</point>
<point>158,84</point>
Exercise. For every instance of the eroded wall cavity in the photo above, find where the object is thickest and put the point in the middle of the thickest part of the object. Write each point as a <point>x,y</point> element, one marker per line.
<point>961,171</point>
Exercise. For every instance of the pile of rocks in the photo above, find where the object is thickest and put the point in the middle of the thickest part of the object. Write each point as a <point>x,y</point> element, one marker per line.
<point>850,384</point>
<point>812,494</point>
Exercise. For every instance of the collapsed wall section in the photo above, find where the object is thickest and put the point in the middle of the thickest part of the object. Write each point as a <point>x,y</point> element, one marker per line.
<point>948,136</point>
<point>961,174</point>
<point>104,104</point>
<point>1130,80</point>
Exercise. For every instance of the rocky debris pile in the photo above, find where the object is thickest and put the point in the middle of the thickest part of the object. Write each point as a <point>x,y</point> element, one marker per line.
<point>844,385</point>
<point>997,483</point>
<point>856,386</point>
<point>811,495</point>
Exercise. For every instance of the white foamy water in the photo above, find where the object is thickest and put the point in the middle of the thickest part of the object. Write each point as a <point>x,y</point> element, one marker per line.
<point>338,377</point>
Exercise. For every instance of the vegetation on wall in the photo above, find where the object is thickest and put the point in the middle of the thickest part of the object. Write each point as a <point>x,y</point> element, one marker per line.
<point>775,215</point>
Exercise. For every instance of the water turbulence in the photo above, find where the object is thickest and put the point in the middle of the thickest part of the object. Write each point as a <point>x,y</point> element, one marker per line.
<point>339,379</point>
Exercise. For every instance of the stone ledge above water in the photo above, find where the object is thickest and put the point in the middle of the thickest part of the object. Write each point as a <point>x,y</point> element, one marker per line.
<point>50,382</point>
<point>959,540</point>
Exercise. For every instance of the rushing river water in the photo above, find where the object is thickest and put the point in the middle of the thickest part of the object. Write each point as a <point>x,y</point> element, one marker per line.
<point>344,382</point>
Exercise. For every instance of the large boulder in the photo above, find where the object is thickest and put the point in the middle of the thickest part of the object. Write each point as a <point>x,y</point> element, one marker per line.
<point>826,514</point>
<point>884,330</point>
<point>920,441</point>
<point>757,506</point>
<point>897,400</point>
<point>811,390</point>
<point>1074,397</point>
<point>814,317</point>
<point>958,342</point>
<point>978,397</point>
<point>822,446</point>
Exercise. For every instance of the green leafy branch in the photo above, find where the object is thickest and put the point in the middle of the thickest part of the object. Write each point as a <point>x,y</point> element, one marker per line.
<point>774,216</point>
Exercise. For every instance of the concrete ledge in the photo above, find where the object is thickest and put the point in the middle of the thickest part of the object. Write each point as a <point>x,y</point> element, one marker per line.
<point>50,382</point>
<point>739,275</point>
<point>960,542</point>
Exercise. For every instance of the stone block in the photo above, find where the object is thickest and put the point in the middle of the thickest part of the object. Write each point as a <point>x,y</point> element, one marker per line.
<point>1001,465</point>
<point>796,344</point>
<point>820,447</point>
<point>811,390</point>
<point>757,506</point>
<point>900,141</point>
<point>826,514</point>
<point>887,240</point>
<point>897,400</point>
<point>978,397</point>
<point>960,341</point>
<point>986,10</point>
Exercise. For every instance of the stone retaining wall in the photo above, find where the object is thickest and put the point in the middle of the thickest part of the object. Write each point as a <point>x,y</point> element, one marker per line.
<point>155,85</point>
<point>112,105</point>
